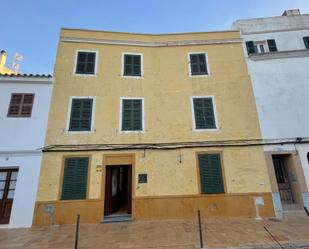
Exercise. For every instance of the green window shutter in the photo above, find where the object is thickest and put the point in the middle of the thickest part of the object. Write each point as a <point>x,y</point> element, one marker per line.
<point>306,41</point>
<point>272,45</point>
<point>75,176</point>
<point>210,174</point>
<point>132,116</point>
<point>81,115</point>
<point>132,65</point>
<point>85,63</point>
<point>250,47</point>
<point>204,113</point>
<point>198,64</point>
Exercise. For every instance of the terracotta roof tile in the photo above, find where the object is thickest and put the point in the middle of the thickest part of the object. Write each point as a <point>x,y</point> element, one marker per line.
<point>27,75</point>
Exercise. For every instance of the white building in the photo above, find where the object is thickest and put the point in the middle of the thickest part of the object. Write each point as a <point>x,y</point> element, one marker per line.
<point>277,53</point>
<point>24,105</point>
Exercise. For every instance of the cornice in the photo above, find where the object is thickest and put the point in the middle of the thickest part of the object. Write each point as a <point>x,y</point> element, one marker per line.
<point>150,44</point>
<point>273,31</point>
<point>280,55</point>
<point>20,153</point>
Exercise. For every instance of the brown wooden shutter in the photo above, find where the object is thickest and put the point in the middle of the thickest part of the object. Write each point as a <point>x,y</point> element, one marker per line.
<point>21,105</point>
<point>27,104</point>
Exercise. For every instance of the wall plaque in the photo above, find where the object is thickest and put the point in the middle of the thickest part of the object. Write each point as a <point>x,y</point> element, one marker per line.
<point>142,178</point>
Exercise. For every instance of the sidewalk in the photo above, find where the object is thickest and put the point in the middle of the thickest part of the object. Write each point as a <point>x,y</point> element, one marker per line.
<point>168,234</point>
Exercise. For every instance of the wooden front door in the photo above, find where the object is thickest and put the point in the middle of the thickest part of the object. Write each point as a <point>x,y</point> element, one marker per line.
<point>118,190</point>
<point>284,186</point>
<point>8,179</point>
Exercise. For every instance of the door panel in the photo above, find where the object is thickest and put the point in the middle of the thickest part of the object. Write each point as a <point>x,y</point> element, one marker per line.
<point>8,178</point>
<point>129,192</point>
<point>284,186</point>
<point>117,190</point>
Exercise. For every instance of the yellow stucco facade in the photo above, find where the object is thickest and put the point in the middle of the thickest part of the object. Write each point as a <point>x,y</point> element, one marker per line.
<point>166,88</point>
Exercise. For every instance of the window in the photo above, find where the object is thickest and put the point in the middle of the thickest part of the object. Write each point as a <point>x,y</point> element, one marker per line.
<point>81,114</point>
<point>272,47</point>
<point>211,179</point>
<point>198,64</point>
<point>132,65</point>
<point>204,115</point>
<point>132,115</point>
<point>21,105</point>
<point>75,176</point>
<point>306,41</point>
<point>85,63</point>
<point>260,47</point>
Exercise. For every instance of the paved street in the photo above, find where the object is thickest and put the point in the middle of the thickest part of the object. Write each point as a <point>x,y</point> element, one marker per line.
<point>180,234</point>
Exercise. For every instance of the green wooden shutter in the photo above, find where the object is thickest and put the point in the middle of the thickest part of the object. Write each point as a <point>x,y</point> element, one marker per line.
<point>132,115</point>
<point>137,65</point>
<point>250,47</point>
<point>85,63</point>
<point>210,174</point>
<point>198,64</point>
<point>81,115</point>
<point>306,41</point>
<point>272,45</point>
<point>75,178</point>
<point>204,113</point>
<point>132,65</point>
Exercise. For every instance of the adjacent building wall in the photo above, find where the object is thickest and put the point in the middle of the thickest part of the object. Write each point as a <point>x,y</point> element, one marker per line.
<point>28,133</point>
<point>280,84</point>
<point>20,143</point>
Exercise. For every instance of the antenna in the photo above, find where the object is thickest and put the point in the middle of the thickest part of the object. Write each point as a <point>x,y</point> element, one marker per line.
<point>17,59</point>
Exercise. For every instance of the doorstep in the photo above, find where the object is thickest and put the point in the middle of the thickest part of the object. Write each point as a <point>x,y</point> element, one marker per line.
<point>117,218</point>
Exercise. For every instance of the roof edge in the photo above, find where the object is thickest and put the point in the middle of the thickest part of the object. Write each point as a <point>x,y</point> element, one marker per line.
<point>26,75</point>
<point>149,34</point>
<point>27,78</point>
<point>267,17</point>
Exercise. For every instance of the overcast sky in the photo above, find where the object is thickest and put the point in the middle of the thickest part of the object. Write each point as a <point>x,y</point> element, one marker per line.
<point>31,27</point>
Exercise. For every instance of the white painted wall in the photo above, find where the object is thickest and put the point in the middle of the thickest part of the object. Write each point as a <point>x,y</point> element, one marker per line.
<point>26,188</point>
<point>272,24</point>
<point>281,86</point>
<point>285,40</point>
<point>20,140</point>
<point>24,133</point>
<point>281,89</point>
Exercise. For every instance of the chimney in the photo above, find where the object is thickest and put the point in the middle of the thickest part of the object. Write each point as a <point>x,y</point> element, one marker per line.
<point>2,59</point>
<point>294,12</point>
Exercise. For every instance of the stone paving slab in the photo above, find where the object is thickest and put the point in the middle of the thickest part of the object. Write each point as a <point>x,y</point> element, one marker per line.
<point>167,234</point>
